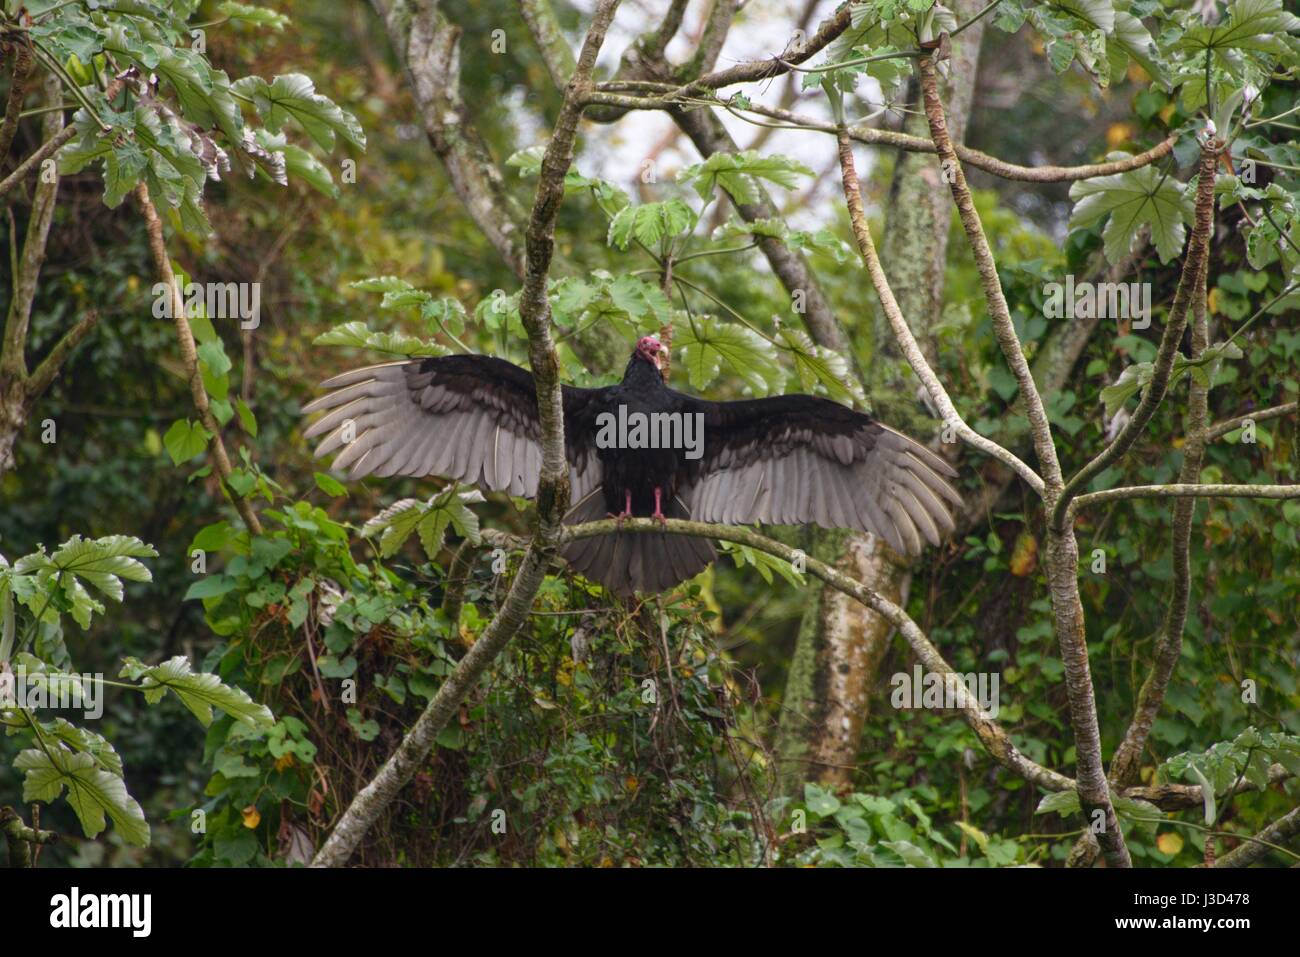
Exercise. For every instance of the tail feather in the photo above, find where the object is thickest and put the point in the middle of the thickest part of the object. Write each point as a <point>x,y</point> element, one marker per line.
<point>626,563</point>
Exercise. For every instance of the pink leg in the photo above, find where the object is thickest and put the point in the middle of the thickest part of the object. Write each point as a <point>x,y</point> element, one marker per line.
<point>627,508</point>
<point>663,520</point>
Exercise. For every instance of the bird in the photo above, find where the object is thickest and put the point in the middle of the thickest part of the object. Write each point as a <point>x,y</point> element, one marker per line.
<point>639,448</point>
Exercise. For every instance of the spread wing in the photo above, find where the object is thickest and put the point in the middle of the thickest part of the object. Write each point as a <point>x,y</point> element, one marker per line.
<point>793,459</point>
<point>464,417</point>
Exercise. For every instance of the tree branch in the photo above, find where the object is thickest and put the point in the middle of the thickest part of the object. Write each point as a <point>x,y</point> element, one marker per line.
<point>17,93</point>
<point>1186,490</point>
<point>1197,255</point>
<point>606,95</point>
<point>190,357</point>
<point>1257,847</point>
<point>49,367</point>
<point>553,484</point>
<point>903,332</point>
<point>428,46</point>
<point>1220,429</point>
<point>554,48</point>
<point>999,313</point>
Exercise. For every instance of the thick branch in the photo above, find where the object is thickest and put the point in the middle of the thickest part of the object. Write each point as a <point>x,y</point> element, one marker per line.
<point>17,93</point>
<point>548,36</point>
<point>13,364</point>
<point>827,33</point>
<point>49,367</point>
<point>1169,642</point>
<point>190,357</point>
<point>1257,848</point>
<point>999,313</point>
<point>903,332</point>
<point>428,46</point>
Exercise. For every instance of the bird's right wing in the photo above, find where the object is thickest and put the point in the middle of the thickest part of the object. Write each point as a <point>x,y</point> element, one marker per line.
<point>793,459</point>
<point>464,417</point>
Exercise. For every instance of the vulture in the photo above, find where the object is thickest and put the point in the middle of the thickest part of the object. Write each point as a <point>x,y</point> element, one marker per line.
<point>641,449</point>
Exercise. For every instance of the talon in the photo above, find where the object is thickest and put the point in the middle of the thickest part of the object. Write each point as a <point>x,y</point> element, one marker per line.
<point>627,509</point>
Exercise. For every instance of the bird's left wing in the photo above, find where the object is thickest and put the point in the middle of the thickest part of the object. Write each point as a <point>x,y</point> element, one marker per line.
<point>464,417</point>
<point>794,459</point>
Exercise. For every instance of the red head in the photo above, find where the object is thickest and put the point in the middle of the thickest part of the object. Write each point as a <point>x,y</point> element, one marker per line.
<point>650,349</point>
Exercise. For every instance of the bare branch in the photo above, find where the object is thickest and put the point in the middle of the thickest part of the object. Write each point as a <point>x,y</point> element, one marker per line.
<point>1062,551</point>
<point>13,363</point>
<point>190,357</point>
<point>17,93</point>
<point>999,314</point>
<point>428,46</point>
<point>49,367</point>
<point>1126,762</point>
<point>606,95</point>
<point>554,48</point>
<point>1256,848</point>
<point>829,30</point>
<point>1220,429</point>
<point>903,332</point>
<point>1186,490</point>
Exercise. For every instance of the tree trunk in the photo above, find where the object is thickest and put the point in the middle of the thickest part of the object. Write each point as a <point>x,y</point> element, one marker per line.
<point>841,643</point>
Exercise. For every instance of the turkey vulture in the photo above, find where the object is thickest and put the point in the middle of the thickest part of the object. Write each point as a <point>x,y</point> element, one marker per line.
<point>639,448</point>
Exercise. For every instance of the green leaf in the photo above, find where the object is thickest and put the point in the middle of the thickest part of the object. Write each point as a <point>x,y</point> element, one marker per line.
<point>1254,25</point>
<point>257,16</point>
<point>817,365</point>
<point>1131,200</point>
<point>395,524</point>
<point>765,564</point>
<point>651,223</point>
<point>912,855</point>
<point>198,691</point>
<point>735,173</point>
<point>92,791</point>
<point>1063,803</point>
<point>330,485</point>
<point>209,587</point>
<point>184,440</point>
<point>359,336</point>
<point>293,96</point>
<point>707,344</point>
<point>819,800</point>
<point>101,562</point>
<point>247,420</point>
<point>7,617</point>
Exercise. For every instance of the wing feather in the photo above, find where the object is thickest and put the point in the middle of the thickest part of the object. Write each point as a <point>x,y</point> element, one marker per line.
<point>797,459</point>
<point>471,419</point>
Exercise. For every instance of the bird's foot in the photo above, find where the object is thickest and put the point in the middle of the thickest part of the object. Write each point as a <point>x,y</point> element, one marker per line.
<point>658,515</point>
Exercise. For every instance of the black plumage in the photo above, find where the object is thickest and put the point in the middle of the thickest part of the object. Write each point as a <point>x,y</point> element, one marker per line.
<point>786,459</point>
